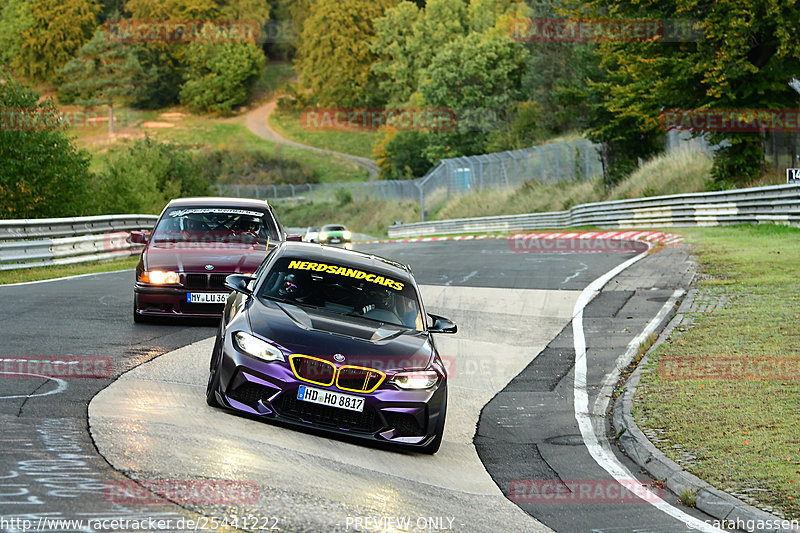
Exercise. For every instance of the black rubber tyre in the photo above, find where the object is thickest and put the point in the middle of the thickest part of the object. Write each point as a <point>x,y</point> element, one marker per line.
<point>211,388</point>
<point>139,319</point>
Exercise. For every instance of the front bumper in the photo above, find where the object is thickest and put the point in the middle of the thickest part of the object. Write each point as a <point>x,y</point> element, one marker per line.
<point>269,391</point>
<point>154,301</point>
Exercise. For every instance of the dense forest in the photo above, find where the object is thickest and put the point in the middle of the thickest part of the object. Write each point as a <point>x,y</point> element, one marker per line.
<point>511,73</point>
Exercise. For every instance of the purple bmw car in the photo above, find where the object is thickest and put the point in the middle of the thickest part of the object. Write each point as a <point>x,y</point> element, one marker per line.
<point>196,244</point>
<point>332,339</point>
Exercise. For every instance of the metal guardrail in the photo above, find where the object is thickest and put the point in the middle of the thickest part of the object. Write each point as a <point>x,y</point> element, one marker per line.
<point>28,243</point>
<point>778,204</point>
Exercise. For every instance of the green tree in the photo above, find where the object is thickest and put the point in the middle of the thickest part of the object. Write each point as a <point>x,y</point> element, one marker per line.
<point>479,77</point>
<point>407,39</point>
<point>15,19</point>
<point>334,56</point>
<point>220,76</point>
<point>42,174</point>
<point>148,10</point>
<point>58,30</point>
<point>144,176</point>
<point>743,58</point>
<point>396,66</point>
<point>102,72</point>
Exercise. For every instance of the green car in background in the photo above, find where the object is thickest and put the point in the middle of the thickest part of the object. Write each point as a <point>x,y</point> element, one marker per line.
<point>335,234</point>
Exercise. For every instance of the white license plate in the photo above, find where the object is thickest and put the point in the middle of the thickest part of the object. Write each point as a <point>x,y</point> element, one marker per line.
<point>336,240</point>
<point>206,297</point>
<point>331,398</point>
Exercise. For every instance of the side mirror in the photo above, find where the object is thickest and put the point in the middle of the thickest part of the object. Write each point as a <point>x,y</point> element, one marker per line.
<point>442,325</point>
<point>140,237</point>
<point>295,238</point>
<point>239,283</point>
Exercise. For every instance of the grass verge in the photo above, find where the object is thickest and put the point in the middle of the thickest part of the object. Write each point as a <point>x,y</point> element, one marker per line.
<point>737,429</point>
<point>290,125</point>
<point>371,217</point>
<point>222,133</point>
<point>60,271</point>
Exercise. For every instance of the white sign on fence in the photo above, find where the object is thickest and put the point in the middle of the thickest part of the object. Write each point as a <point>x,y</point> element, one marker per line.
<point>793,176</point>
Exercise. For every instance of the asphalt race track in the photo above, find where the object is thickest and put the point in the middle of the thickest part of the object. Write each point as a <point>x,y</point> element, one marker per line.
<point>512,415</point>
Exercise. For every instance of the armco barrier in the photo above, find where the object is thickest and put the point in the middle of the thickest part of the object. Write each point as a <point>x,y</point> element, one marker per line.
<point>779,204</point>
<point>27,243</point>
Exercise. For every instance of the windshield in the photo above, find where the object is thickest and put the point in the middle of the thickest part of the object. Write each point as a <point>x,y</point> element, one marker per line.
<point>205,225</point>
<point>345,290</point>
<point>334,228</point>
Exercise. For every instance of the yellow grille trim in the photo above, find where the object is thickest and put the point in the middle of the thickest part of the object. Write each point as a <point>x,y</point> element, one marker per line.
<point>370,371</point>
<point>336,373</point>
<point>298,376</point>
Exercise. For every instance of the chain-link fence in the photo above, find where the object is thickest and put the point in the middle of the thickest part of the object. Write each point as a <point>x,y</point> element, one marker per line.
<point>547,163</point>
<point>781,148</point>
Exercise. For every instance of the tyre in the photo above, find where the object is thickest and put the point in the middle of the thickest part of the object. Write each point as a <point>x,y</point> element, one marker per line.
<point>213,383</point>
<point>139,319</point>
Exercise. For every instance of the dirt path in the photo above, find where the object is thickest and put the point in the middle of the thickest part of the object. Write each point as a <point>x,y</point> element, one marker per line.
<point>257,121</point>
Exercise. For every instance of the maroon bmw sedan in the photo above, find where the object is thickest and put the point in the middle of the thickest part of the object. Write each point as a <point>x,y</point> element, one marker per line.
<point>195,245</point>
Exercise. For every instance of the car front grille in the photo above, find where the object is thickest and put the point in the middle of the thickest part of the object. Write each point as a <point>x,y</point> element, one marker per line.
<point>358,379</point>
<point>217,281</point>
<point>313,370</point>
<point>287,404</point>
<point>196,281</point>
<point>348,378</point>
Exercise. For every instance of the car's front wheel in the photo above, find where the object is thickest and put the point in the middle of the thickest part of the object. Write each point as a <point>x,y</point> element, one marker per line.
<point>213,382</point>
<point>136,316</point>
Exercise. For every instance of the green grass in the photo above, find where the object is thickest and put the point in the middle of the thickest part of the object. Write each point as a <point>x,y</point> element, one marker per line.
<point>290,125</point>
<point>674,173</point>
<point>369,217</point>
<point>51,272</point>
<point>203,131</point>
<point>744,433</point>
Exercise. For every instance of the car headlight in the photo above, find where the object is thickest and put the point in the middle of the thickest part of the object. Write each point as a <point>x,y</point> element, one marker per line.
<point>346,234</point>
<point>416,379</point>
<point>256,347</point>
<point>159,277</point>
<point>322,236</point>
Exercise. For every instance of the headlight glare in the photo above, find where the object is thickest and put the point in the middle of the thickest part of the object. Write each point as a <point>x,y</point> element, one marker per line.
<point>159,277</point>
<point>416,379</point>
<point>322,236</point>
<point>256,347</point>
<point>347,235</point>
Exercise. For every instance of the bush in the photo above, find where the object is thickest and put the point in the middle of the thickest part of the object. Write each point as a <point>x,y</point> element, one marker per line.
<point>143,177</point>
<point>249,167</point>
<point>220,75</point>
<point>401,156</point>
<point>738,163</point>
<point>42,174</point>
